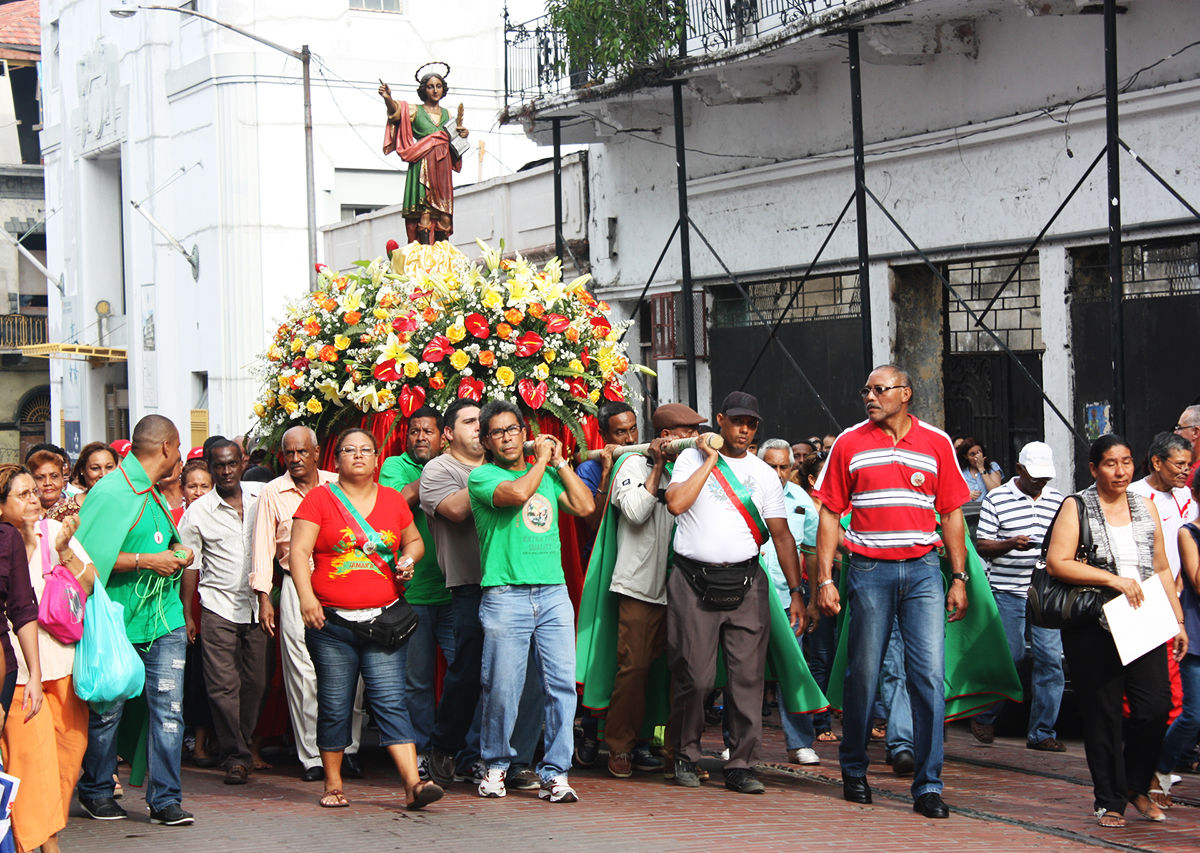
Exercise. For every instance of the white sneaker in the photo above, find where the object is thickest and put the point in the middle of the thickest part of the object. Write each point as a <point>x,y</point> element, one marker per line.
<point>724,756</point>
<point>558,790</point>
<point>804,755</point>
<point>492,784</point>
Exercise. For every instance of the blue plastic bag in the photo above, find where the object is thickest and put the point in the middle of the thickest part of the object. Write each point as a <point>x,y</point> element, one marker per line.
<point>107,668</point>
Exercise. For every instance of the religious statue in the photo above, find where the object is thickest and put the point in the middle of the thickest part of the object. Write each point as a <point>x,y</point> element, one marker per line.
<point>424,136</point>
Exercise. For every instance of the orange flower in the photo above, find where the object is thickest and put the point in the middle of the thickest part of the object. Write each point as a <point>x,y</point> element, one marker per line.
<point>536,310</point>
<point>486,358</point>
<point>622,364</point>
<point>514,316</point>
<point>363,339</point>
<point>329,353</point>
<point>572,334</point>
<point>437,382</point>
<point>352,317</point>
<point>328,303</point>
<point>503,330</point>
<point>506,264</point>
<point>429,314</point>
<point>340,283</point>
<point>603,306</point>
<point>312,328</point>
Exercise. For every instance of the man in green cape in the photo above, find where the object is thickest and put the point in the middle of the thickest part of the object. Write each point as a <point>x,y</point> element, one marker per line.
<point>126,527</point>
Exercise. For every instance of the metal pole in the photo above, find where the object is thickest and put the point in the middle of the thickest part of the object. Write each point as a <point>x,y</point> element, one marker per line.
<point>558,201</point>
<point>860,200</point>
<point>309,178</point>
<point>685,247</point>
<point>1114,217</point>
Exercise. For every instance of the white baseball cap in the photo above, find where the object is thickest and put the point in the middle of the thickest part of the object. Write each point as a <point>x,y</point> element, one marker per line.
<point>1037,459</point>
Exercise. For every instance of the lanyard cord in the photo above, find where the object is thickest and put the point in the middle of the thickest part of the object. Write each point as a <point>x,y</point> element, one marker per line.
<point>152,585</point>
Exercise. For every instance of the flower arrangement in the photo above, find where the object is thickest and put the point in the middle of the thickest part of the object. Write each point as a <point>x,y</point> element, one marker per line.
<point>427,326</point>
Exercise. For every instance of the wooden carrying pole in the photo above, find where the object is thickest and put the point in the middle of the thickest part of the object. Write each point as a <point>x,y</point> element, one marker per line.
<point>713,439</point>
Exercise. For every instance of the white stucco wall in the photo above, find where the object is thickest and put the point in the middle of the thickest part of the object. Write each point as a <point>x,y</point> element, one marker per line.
<point>204,128</point>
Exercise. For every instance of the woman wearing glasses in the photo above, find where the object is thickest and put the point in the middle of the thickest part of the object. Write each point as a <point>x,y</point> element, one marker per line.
<point>44,750</point>
<point>362,543</point>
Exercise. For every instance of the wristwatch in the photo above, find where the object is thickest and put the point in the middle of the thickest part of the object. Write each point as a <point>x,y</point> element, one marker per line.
<point>960,576</point>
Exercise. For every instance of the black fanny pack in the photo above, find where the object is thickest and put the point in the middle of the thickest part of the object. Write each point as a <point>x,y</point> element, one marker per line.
<point>719,587</point>
<point>389,629</point>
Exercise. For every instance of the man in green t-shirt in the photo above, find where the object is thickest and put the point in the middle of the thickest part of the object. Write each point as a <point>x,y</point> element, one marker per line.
<point>516,506</point>
<point>126,527</point>
<point>426,592</point>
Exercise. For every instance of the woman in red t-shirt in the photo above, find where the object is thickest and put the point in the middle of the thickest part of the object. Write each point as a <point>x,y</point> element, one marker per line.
<point>350,580</point>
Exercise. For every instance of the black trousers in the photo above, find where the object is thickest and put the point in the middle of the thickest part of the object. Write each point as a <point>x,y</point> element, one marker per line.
<point>1122,753</point>
<point>461,687</point>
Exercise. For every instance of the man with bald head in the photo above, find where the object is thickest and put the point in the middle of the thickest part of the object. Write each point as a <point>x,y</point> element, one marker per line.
<point>1189,427</point>
<point>131,538</point>
<point>277,504</point>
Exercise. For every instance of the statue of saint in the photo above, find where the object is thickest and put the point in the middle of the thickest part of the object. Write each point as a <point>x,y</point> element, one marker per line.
<point>422,134</point>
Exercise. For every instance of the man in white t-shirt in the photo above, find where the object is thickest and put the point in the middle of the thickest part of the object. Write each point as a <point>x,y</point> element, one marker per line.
<point>727,505</point>
<point>1170,457</point>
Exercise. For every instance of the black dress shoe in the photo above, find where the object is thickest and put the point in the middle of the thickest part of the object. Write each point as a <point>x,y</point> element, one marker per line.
<point>313,774</point>
<point>351,769</point>
<point>856,790</point>
<point>903,763</point>
<point>931,805</point>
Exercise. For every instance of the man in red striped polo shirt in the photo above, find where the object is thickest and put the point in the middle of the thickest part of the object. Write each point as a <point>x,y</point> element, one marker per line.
<point>893,473</point>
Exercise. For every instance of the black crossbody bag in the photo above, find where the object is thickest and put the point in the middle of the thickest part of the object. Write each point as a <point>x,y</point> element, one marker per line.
<point>1056,604</point>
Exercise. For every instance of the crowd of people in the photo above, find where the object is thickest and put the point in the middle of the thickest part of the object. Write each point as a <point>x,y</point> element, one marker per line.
<point>348,587</point>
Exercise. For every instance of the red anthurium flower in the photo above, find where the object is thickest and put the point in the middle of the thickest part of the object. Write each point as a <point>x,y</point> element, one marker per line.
<point>556,323</point>
<point>437,349</point>
<point>471,389</point>
<point>601,323</point>
<point>477,325</point>
<point>533,393</point>
<point>405,323</point>
<point>411,399</point>
<point>577,387</point>
<point>385,371</point>
<point>613,391</point>
<point>528,344</point>
<point>391,246</point>
<point>585,358</point>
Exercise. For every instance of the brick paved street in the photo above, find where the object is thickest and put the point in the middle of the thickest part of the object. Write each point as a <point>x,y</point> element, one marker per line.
<point>1009,808</point>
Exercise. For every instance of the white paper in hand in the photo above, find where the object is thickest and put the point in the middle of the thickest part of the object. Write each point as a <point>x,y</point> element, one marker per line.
<point>1136,632</point>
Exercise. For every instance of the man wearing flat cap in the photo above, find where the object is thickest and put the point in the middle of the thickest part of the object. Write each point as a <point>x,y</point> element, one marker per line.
<point>727,504</point>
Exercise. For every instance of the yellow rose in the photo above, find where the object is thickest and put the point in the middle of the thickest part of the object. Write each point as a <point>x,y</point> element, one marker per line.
<point>541,371</point>
<point>411,368</point>
<point>505,376</point>
<point>297,345</point>
<point>459,359</point>
<point>594,397</point>
<point>549,355</point>
<point>289,405</point>
<point>380,314</point>
<point>491,298</point>
<point>341,342</point>
<point>386,400</point>
<point>456,333</point>
<point>260,410</point>
<point>576,365</point>
<point>313,405</point>
<point>284,382</point>
<point>274,353</point>
<point>312,352</point>
<point>270,399</point>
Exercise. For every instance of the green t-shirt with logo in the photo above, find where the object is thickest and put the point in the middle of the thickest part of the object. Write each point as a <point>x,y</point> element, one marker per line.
<point>517,544</point>
<point>428,584</point>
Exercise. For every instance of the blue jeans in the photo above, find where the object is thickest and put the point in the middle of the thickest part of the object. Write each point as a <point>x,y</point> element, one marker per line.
<point>512,616</point>
<point>894,695</point>
<point>1047,679</point>
<point>164,661</point>
<point>820,647</point>
<point>798,729</point>
<point>879,591</point>
<point>435,629</point>
<point>339,656</point>
<point>1181,736</point>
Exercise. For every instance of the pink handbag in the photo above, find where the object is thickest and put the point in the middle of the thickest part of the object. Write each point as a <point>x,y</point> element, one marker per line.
<point>60,611</point>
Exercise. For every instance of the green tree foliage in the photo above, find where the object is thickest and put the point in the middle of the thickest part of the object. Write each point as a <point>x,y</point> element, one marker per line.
<point>618,36</point>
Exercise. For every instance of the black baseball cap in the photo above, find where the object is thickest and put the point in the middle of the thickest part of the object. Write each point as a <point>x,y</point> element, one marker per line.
<point>740,403</point>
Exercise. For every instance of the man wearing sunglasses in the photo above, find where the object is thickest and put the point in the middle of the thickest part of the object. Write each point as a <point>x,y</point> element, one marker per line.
<point>893,473</point>
<point>524,592</point>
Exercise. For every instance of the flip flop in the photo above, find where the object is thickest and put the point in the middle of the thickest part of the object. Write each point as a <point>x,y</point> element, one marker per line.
<point>827,737</point>
<point>333,799</point>
<point>428,792</point>
<point>1109,819</point>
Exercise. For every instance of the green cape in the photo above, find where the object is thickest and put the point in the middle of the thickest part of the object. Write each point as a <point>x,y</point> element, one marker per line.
<point>979,666</point>
<point>596,648</point>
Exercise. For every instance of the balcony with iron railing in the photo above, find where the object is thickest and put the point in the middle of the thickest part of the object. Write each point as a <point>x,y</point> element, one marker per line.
<point>538,61</point>
<point>21,330</point>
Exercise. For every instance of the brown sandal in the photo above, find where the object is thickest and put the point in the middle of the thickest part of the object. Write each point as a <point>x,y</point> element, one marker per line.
<point>426,793</point>
<point>827,736</point>
<point>333,799</point>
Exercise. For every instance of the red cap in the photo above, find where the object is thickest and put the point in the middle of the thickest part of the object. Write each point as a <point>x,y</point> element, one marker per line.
<point>195,453</point>
<point>122,445</point>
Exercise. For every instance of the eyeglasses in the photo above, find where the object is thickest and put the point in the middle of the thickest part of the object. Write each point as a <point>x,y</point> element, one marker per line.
<point>503,432</point>
<point>27,495</point>
<point>358,451</point>
<point>1179,427</point>
<point>878,390</point>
